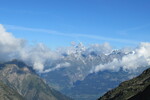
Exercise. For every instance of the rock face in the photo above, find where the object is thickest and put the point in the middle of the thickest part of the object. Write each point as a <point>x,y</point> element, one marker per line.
<point>7,93</point>
<point>144,95</point>
<point>22,83</point>
<point>135,89</point>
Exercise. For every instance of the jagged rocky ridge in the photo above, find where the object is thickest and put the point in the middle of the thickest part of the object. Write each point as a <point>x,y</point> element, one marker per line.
<point>135,89</point>
<point>76,79</point>
<point>81,65</point>
<point>19,82</point>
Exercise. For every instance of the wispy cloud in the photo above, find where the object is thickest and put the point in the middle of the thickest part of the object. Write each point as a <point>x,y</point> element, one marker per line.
<point>127,31</point>
<point>77,35</point>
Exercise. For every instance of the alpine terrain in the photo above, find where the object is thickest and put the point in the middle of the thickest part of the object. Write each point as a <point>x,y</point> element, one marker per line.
<point>135,89</point>
<point>85,73</point>
<point>20,82</point>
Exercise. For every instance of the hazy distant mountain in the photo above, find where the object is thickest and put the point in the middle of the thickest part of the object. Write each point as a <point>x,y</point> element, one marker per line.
<point>20,82</point>
<point>80,65</point>
<point>79,82</point>
<point>96,84</point>
<point>76,63</point>
<point>135,89</point>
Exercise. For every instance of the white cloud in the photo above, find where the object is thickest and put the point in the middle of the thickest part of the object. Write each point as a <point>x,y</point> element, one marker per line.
<point>13,48</point>
<point>9,45</point>
<point>58,66</point>
<point>130,62</point>
<point>38,56</point>
<point>100,48</point>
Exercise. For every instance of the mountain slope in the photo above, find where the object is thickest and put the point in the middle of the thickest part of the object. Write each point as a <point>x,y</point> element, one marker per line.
<point>144,95</point>
<point>22,78</point>
<point>131,90</point>
<point>7,93</point>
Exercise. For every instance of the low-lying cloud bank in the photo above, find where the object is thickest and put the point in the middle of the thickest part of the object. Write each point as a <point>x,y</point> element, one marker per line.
<point>9,45</point>
<point>140,57</point>
<point>40,56</point>
<point>13,48</point>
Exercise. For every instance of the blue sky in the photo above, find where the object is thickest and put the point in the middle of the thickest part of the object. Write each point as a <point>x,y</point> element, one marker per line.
<point>58,22</point>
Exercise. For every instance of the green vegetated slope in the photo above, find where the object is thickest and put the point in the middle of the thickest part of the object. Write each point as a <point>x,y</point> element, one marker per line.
<point>18,77</point>
<point>135,89</point>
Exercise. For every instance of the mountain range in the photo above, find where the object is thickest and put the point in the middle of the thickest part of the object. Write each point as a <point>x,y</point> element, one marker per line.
<point>79,72</point>
<point>76,74</point>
